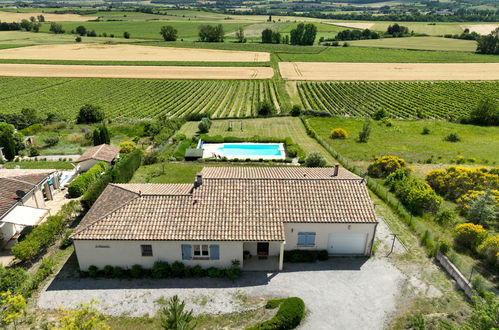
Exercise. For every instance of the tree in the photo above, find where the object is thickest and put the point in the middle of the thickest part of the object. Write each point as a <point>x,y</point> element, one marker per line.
<point>210,33</point>
<point>26,25</point>
<point>78,39</point>
<point>267,36</point>
<point>295,110</point>
<point>96,137</point>
<point>7,141</point>
<point>12,308</point>
<point>81,30</point>
<point>126,35</point>
<point>41,18</point>
<point>304,34</point>
<point>127,147</point>
<point>486,113</point>
<point>169,33</point>
<point>265,108</point>
<point>104,135</point>
<point>85,317</point>
<point>483,209</point>
<point>396,30</point>
<point>174,317</point>
<point>89,114</point>
<point>315,159</point>
<point>240,35</point>
<point>365,132</point>
<point>56,28</point>
<point>488,44</point>
<point>204,125</point>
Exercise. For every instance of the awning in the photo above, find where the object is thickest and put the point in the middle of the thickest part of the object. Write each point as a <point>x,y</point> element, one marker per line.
<point>25,215</point>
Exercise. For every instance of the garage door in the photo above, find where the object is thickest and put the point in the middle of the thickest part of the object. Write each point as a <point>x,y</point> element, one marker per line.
<point>347,244</point>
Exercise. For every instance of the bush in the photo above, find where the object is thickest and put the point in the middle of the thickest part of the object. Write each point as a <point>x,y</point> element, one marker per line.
<point>204,125</point>
<point>214,272</point>
<point>12,279</point>
<point>89,114</point>
<point>151,157</point>
<point>295,110</point>
<point>338,133</point>
<point>289,315</point>
<point>118,272</point>
<point>46,268</point>
<point>469,235</point>
<point>365,132</point>
<point>380,114</point>
<point>446,217</point>
<point>315,159</point>
<point>126,147</point>
<point>79,185</point>
<point>425,131</point>
<point>93,271</point>
<point>452,137</point>
<point>265,108</point>
<point>66,241</point>
<point>51,141</point>
<point>292,151</point>
<point>33,151</point>
<point>489,249</point>
<point>305,255</point>
<point>136,271</point>
<point>233,273</point>
<point>108,271</point>
<point>178,269</point>
<point>381,167</point>
<point>160,269</point>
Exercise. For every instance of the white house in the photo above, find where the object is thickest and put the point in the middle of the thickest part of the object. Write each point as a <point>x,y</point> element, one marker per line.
<point>23,195</point>
<point>100,153</point>
<point>249,214</point>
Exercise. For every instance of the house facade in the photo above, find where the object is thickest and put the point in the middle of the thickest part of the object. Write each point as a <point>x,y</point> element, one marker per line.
<point>100,153</point>
<point>246,214</point>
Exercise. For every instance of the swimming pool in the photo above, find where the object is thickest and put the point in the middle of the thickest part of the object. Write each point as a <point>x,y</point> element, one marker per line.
<point>244,150</point>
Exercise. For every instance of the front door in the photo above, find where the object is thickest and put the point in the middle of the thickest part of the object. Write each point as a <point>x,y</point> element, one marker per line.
<point>262,250</point>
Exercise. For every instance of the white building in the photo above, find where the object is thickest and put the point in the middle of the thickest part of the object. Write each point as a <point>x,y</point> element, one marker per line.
<point>100,153</point>
<point>248,214</point>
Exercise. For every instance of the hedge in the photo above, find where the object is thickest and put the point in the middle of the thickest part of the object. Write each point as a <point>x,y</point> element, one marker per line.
<point>305,255</point>
<point>162,269</point>
<point>290,314</point>
<point>44,234</point>
<point>79,185</point>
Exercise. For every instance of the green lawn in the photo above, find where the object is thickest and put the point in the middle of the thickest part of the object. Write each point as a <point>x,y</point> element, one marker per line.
<point>358,54</point>
<point>419,43</point>
<point>56,165</point>
<point>405,140</point>
<point>280,127</point>
<point>167,173</point>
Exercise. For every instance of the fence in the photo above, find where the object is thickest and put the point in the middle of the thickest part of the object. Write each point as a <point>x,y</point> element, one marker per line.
<point>461,281</point>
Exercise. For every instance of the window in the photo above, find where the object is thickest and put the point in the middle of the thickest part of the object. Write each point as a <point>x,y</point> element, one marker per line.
<point>146,250</point>
<point>306,239</point>
<point>201,251</point>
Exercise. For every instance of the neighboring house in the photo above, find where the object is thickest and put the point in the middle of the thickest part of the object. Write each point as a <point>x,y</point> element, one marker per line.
<point>23,195</point>
<point>100,153</point>
<point>2,157</point>
<point>227,214</point>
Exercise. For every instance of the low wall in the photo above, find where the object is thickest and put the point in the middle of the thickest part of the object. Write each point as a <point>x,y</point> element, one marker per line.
<point>462,281</point>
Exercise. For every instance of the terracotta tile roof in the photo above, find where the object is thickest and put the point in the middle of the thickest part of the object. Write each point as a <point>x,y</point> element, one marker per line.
<point>103,152</point>
<point>282,172</point>
<point>15,187</point>
<point>225,209</point>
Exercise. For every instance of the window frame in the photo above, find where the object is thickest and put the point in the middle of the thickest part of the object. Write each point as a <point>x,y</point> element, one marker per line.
<point>306,235</point>
<point>201,251</point>
<point>146,250</point>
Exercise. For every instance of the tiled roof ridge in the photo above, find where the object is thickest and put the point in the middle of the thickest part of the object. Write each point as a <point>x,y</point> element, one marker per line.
<point>289,179</point>
<point>98,150</point>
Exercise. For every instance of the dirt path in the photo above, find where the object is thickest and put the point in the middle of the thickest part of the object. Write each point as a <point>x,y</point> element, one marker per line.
<point>388,71</point>
<point>144,72</point>
<point>121,52</point>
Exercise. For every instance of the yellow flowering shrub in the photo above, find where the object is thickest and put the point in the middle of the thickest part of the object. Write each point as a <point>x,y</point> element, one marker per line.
<point>12,307</point>
<point>489,249</point>
<point>469,235</point>
<point>127,147</point>
<point>338,133</point>
<point>383,166</point>
<point>456,181</point>
<point>467,199</point>
<point>85,317</point>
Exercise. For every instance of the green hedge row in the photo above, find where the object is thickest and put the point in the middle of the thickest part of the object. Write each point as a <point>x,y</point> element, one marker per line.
<point>79,185</point>
<point>305,255</point>
<point>289,316</point>
<point>44,234</point>
<point>162,269</point>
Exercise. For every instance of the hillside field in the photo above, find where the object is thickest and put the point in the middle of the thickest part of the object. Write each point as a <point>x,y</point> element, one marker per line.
<point>136,98</point>
<point>419,43</point>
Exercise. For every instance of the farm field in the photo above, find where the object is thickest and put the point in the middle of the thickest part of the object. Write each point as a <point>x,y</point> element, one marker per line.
<point>136,98</point>
<point>419,43</point>
<point>130,71</point>
<point>378,55</point>
<point>267,127</point>
<point>404,139</point>
<point>6,16</point>
<point>400,99</point>
<point>21,38</point>
<point>482,29</point>
<point>352,25</point>
<point>430,28</point>
<point>388,71</point>
<point>121,52</point>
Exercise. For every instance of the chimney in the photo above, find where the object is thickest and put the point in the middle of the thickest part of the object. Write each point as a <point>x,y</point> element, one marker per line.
<point>336,169</point>
<point>140,193</point>
<point>199,180</point>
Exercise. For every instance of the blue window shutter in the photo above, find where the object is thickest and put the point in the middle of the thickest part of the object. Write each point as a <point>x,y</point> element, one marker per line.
<point>302,238</point>
<point>215,252</point>
<point>186,252</point>
<point>310,238</point>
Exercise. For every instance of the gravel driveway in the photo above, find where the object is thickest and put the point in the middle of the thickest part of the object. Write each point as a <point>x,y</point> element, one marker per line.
<point>342,293</point>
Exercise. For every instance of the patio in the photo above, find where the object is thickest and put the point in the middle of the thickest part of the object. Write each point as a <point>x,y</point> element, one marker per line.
<point>254,264</point>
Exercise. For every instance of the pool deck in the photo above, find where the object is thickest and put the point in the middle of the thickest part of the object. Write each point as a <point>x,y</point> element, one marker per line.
<point>212,150</point>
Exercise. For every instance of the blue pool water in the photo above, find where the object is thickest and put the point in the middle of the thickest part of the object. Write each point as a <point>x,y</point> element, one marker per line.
<point>242,150</point>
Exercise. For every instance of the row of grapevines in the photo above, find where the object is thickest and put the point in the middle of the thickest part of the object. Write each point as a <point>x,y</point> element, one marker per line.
<point>136,98</point>
<point>401,99</point>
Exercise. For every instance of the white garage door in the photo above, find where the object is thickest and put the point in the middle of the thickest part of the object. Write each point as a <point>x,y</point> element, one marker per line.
<point>347,244</point>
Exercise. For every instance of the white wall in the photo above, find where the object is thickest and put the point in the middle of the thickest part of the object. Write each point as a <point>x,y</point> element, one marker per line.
<point>322,231</point>
<point>8,230</point>
<point>128,253</point>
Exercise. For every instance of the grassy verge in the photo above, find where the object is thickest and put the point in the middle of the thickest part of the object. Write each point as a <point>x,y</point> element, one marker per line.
<point>55,165</point>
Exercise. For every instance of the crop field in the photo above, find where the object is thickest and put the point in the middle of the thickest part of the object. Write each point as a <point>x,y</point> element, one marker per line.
<point>400,99</point>
<point>429,28</point>
<point>6,16</point>
<point>482,29</point>
<point>136,98</point>
<point>419,43</point>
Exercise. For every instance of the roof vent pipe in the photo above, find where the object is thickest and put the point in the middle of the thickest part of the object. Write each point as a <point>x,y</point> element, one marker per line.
<point>336,169</point>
